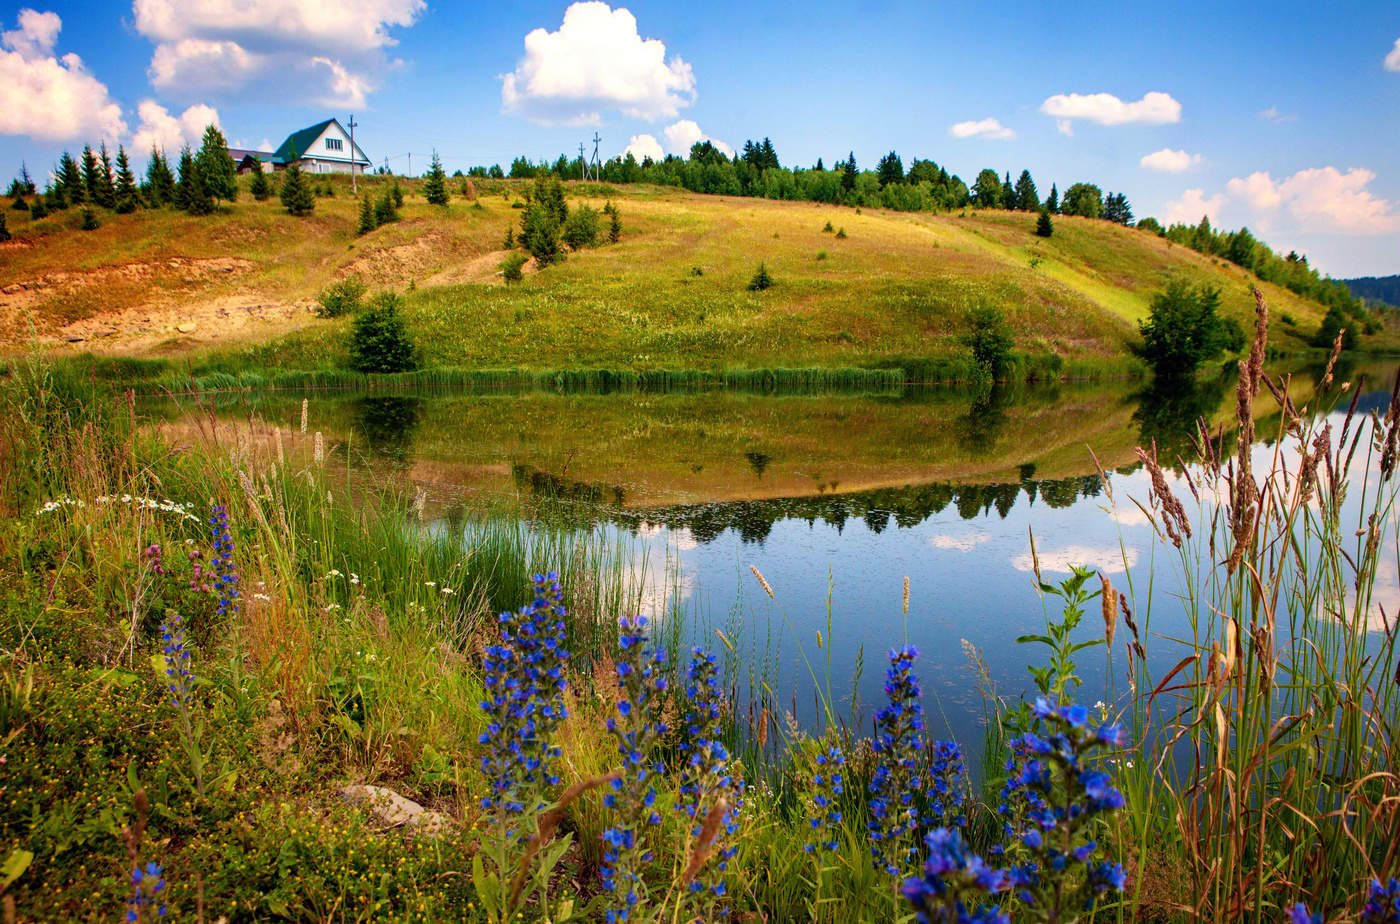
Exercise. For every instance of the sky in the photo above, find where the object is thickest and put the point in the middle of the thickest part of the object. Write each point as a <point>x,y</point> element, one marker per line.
<point>1283,117</point>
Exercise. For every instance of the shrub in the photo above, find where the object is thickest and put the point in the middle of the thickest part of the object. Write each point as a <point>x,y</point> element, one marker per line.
<point>512,267</point>
<point>822,254</point>
<point>1184,330</point>
<point>90,222</point>
<point>1333,323</point>
<point>260,188</point>
<point>19,205</point>
<point>841,234</point>
<point>4,231</point>
<point>581,228</point>
<point>380,341</point>
<point>38,209</point>
<point>368,220</point>
<point>296,192</point>
<point>509,242</point>
<point>341,298</point>
<point>541,235</point>
<point>827,228</point>
<point>387,208</point>
<point>761,280</point>
<point>989,340</point>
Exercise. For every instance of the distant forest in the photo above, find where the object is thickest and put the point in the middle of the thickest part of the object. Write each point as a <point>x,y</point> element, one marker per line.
<point>926,186</point>
<point>1383,289</point>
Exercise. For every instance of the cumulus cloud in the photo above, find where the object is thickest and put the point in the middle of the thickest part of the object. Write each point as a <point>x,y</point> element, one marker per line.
<point>1168,160</point>
<point>681,135</point>
<point>596,61</point>
<point>1392,60</point>
<point>1322,199</point>
<point>161,129</point>
<point>1155,108</point>
<point>1192,206</point>
<point>1272,114</point>
<point>988,129</point>
<point>49,97</point>
<point>325,51</point>
<point>644,146</point>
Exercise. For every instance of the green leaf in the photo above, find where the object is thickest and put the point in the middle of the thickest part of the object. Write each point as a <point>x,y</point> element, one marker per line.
<point>15,864</point>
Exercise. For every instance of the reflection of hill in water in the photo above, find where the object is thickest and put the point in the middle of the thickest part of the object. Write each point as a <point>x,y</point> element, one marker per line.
<point>582,503</point>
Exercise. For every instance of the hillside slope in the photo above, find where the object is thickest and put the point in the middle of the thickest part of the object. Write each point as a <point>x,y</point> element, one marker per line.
<point>672,293</point>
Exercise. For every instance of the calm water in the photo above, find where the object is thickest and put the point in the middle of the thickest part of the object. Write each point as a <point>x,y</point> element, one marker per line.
<point>835,499</point>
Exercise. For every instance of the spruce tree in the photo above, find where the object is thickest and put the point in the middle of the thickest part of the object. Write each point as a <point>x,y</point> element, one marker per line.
<point>384,210</point>
<point>4,229</point>
<point>160,182</point>
<point>260,187</point>
<point>106,195</point>
<point>69,182</point>
<point>848,173</point>
<point>1052,204</point>
<point>435,185</point>
<point>1044,227</point>
<point>57,200</point>
<point>127,196</point>
<point>397,193</point>
<point>296,192</point>
<point>614,224</point>
<point>38,209</point>
<point>19,205</point>
<point>1008,193</point>
<point>1027,197</point>
<point>89,168</point>
<point>509,242</point>
<point>379,341</point>
<point>190,194</point>
<point>367,220</point>
<point>90,222</point>
<point>217,169</point>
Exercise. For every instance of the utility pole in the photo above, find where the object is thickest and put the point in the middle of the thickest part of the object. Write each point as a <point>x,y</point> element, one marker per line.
<point>597,164</point>
<point>410,163</point>
<point>354,177</point>
<point>582,164</point>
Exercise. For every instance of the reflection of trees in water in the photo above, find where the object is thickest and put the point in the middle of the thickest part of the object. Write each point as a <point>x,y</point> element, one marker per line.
<point>388,424</point>
<point>981,426</point>
<point>586,504</point>
<point>1168,411</point>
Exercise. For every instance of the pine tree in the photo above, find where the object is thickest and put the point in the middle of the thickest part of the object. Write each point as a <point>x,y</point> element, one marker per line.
<point>160,182</point>
<point>296,192</point>
<point>260,187</point>
<point>848,173</point>
<point>190,194</point>
<point>1027,197</point>
<point>127,196</point>
<point>1044,227</point>
<point>435,185</point>
<point>89,168</point>
<point>90,222</point>
<point>216,168</point>
<point>380,341</point>
<point>38,209</point>
<point>106,195</point>
<point>1052,204</point>
<point>367,222</point>
<point>4,229</point>
<point>69,181</point>
<point>614,224</point>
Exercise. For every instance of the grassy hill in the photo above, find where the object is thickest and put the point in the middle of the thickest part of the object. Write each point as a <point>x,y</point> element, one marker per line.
<point>236,289</point>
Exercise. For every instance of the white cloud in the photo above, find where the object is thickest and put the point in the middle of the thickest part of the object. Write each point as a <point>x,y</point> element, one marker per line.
<point>1392,60</point>
<point>958,543</point>
<point>681,135</point>
<point>1322,200</point>
<point>1065,127</point>
<point>160,129</point>
<point>988,129</point>
<point>1109,559</point>
<point>1170,161</point>
<point>326,51</point>
<point>1192,205</point>
<point>48,97</point>
<point>596,61</point>
<point>644,146</point>
<point>1155,108</point>
<point>1272,114</point>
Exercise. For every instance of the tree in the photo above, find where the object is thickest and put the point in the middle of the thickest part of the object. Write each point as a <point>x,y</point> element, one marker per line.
<point>1152,225</point>
<point>1241,249</point>
<point>4,229</point>
<point>513,267</point>
<point>1027,197</point>
<point>90,222</point>
<point>128,197</point>
<point>90,167</point>
<point>1052,204</point>
<point>1043,225</point>
<point>296,194</point>
<point>1117,210</point>
<point>106,195</point>
<point>581,228</point>
<point>848,173</point>
<point>890,170</point>
<point>160,182</point>
<point>385,211</point>
<point>435,185</point>
<point>397,193</point>
<point>549,194</point>
<point>379,341</point>
<point>260,188</point>
<point>986,191</point>
<point>1084,199</point>
<point>68,180</point>
<point>1008,193</point>
<point>19,205</point>
<point>38,209</point>
<point>1184,330</point>
<point>25,181</point>
<point>540,234</point>
<point>989,340</point>
<point>216,168</point>
<point>1333,323</point>
<point>190,194</point>
<point>761,280</point>
<point>614,223</point>
<point>367,219</point>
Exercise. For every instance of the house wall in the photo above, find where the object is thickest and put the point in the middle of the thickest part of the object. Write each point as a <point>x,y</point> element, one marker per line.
<point>314,165</point>
<point>323,155</point>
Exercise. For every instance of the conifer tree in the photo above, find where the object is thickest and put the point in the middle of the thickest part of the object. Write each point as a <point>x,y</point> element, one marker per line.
<point>260,187</point>
<point>4,230</point>
<point>216,168</point>
<point>614,224</point>
<point>127,196</point>
<point>190,194</point>
<point>89,168</point>
<point>57,200</point>
<point>384,210</point>
<point>69,181</point>
<point>90,222</point>
<point>367,220</point>
<point>435,184</point>
<point>26,182</point>
<point>1052,204</point>
<point>509,242</point>
<point>160,182</point>
<point>848,173</point>
<point>1027,197</point>
<point>19,205</point>
<point>106,195</point>
<point>1008,193</point>
<point>296,192</point>
<point>397,193</point>
<point>1044,227</point>
<point>38,209</point>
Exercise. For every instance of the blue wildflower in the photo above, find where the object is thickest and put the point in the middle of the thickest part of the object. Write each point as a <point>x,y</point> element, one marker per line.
<point>706,778</point>
<point>147,901</point>
<point>828,787</point>
<point>1383,904</point>
<point>957,885</point>
<point>179,678</point>
<point>225,572</point>
<point>1299,914</point>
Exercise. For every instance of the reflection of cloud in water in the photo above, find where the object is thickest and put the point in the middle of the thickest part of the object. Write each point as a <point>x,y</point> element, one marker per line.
<point>964,543</point>
<point>679,539</point>
<point>659,579</point>
<point>1128,514</point>
<point>1107,558</point>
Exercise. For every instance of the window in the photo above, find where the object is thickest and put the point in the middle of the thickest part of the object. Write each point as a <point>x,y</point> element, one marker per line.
<point>334,144</point>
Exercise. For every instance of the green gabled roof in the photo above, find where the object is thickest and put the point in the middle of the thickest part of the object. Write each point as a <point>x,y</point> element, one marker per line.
<point>297,142</point>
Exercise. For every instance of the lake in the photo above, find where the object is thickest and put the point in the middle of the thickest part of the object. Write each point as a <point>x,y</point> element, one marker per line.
<point>835,499</point>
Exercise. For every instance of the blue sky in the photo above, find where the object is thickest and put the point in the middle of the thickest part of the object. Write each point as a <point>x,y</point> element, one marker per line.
<point>1283,116</point>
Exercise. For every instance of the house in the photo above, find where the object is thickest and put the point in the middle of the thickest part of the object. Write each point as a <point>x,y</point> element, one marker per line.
<point>322,148</point>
